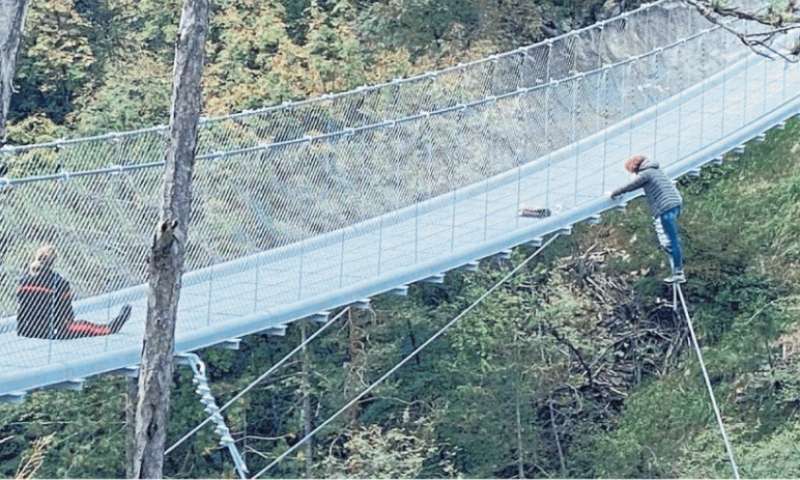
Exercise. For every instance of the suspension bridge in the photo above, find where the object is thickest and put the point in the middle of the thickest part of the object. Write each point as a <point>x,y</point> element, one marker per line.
<point>308,206</point>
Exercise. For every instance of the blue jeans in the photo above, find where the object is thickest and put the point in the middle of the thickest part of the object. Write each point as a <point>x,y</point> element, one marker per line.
<point>669,220</point>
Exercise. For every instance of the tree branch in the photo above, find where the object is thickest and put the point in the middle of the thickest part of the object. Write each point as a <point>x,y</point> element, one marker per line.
<point>777,22</point>
<point>574,350</point>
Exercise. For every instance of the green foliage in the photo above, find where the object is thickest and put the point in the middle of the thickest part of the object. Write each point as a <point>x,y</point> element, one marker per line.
<point>93,65</point>
<point>742,302</point>
<point>476,402</point>
<point>420,26</point>
<point>56,61</point>
<point>374,453</point>
<point>88,432</point>
<point>127,100</point>
<point>658,419</point>
<point>34,128</point>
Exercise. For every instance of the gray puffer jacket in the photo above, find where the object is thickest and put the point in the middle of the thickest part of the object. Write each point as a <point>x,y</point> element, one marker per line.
<point>661,194</point>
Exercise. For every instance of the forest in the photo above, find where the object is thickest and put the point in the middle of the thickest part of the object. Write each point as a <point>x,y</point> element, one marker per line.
<point>578,367</point>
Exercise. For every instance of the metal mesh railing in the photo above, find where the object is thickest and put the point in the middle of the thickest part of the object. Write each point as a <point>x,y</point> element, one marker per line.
<point>634,33</point>
<point>343,189</point>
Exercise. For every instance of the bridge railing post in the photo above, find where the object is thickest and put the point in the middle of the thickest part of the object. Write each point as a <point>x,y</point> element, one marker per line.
<point>210,298</point>
<point>453,222</point>
<point>300,272</point>
<point>341,258</point>
<point>574,136</point>
<point>486,207</point>
<point>783,87</point>
<point>746,81</point>
<point>605,112</point>
<point>681,86</point>
<point>654,71</point>
<point>547,130</point>
<point>629,86</point>
<point>703,63</point>
<point>764,92</point>
<point>380,244</point>
<point>724,100</point>
<point>257,284</point>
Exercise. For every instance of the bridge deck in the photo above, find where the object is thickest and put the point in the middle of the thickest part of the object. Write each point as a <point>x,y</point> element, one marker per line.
<point>272,288</point>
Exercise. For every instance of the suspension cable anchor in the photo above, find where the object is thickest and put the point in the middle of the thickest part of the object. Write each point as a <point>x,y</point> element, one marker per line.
<point>206,398</point>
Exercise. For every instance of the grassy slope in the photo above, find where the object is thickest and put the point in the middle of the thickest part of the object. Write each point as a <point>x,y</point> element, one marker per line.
<point>743,249</point>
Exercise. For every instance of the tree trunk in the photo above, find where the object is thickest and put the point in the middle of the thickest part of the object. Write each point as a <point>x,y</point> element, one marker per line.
<point>520,447</point>
<point>131,400</point>
<point>518,378</point>
<point>355,371</point>
<point>165,263</point>
<point>561,461</point>
<point>306,412</point>
<point>12,21</point>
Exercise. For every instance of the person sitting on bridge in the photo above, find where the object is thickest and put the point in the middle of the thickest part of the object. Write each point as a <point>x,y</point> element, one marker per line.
<point>45,304</point>
<point>665,204</point>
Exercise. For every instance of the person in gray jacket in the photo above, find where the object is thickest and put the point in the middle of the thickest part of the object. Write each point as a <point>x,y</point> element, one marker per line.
<point>665,204</point>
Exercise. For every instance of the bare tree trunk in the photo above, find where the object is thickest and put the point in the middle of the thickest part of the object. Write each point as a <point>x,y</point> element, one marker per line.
<point>12,21</point>
<point>520,448</point>
<point>131,400</point>
<point>306,412</point>
<point>637,355</point>
<point>353,378</point>
<point>518,377</point>
<point>558,441</point>
<point>165,264</point>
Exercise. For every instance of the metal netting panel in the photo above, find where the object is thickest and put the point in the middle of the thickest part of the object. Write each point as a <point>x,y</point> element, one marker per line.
<point>341,189</point>
<point>629,35</point>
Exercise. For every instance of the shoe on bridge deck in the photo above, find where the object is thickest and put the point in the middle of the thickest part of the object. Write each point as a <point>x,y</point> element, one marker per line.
<point>529,212</point>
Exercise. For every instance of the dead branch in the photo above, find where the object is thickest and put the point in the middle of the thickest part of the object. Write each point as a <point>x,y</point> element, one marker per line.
<point>777,22</point>
<point>34,460</point>
<point>559,338</point>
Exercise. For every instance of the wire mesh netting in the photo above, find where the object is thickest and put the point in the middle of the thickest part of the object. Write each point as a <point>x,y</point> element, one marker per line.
<point>295,201</point>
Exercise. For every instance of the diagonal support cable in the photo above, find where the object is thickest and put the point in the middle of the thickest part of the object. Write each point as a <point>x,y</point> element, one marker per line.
<point>717,413</point>
<point>258,380</point>
<point>409,356</point>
